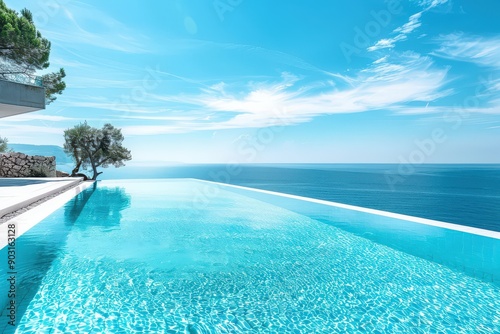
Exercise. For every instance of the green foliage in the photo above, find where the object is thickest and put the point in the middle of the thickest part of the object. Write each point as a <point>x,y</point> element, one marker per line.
<point>3,144</point>
<point>94,147</point>
<point>23,50</point>
<point>54,84</point>
<point>20,43</point>
<point>74,141</point>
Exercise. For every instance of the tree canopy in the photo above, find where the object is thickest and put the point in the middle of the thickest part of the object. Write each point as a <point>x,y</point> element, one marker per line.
<point>92,147</point>
<point>3,144</point>
<point>23,51</point>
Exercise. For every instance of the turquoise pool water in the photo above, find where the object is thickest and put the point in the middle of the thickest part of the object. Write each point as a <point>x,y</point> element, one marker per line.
<point>170,256</point>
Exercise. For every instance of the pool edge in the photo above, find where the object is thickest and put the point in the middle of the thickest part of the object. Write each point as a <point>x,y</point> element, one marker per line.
<point>418,220</point>
<point>25,221</point>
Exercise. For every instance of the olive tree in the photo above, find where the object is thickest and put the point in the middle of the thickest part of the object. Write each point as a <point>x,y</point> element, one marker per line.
<point>92,147</point>
<point>3,144</point>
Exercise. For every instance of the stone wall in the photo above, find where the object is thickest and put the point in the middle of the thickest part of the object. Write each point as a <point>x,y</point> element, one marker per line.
<point>22,165</point>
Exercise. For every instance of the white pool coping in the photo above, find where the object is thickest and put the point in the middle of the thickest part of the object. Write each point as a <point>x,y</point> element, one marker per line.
<point>19,193</point>
<point>418,220</point>
<point>30,218</point>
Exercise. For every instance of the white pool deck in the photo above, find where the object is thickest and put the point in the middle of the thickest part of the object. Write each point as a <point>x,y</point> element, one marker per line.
<point>17,193</point>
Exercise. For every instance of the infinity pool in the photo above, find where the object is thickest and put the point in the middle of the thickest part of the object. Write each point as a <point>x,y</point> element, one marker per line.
<point>185,256</point>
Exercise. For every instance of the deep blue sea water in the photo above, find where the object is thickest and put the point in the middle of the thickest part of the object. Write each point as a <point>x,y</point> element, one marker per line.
<point>461,194</point>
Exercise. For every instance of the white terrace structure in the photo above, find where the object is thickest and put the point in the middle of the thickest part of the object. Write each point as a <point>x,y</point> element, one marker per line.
<point>16,98</point>
<point>19,98</point>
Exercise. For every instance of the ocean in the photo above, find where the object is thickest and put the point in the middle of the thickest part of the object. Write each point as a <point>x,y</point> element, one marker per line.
<point>454,193</point>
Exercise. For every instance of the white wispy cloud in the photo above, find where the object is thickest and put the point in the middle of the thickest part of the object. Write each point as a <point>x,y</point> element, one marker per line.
<point>385,85</point>
<point>412,24</point>
<point>251,51</point>
<point>61,62</point>
<point>429,4</point>
<point>70,24</point>
<point>28,117</point>
<point>96,82</point>
<point>401,33</point>
<point>139,107</point>
<point>483,51</point>
<point>381,60</point>
<point>165,118</point>
<point>492,108</point>
<point>12,131</point>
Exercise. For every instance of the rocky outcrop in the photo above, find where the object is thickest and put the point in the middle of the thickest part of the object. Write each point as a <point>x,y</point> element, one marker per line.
<point>22,165</point>
<point>61,174</point>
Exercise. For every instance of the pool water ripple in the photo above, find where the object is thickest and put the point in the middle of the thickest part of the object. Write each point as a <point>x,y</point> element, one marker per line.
<point>245,267</point>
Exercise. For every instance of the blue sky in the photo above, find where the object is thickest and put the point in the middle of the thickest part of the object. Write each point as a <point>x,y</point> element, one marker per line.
<point>276,81</point>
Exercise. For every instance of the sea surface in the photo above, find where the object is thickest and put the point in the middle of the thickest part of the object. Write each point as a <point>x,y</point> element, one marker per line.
<point>454,193</point>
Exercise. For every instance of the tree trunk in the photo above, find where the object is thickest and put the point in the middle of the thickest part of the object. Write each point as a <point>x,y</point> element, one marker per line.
<point>96,174</point>
<point>76,169</point>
